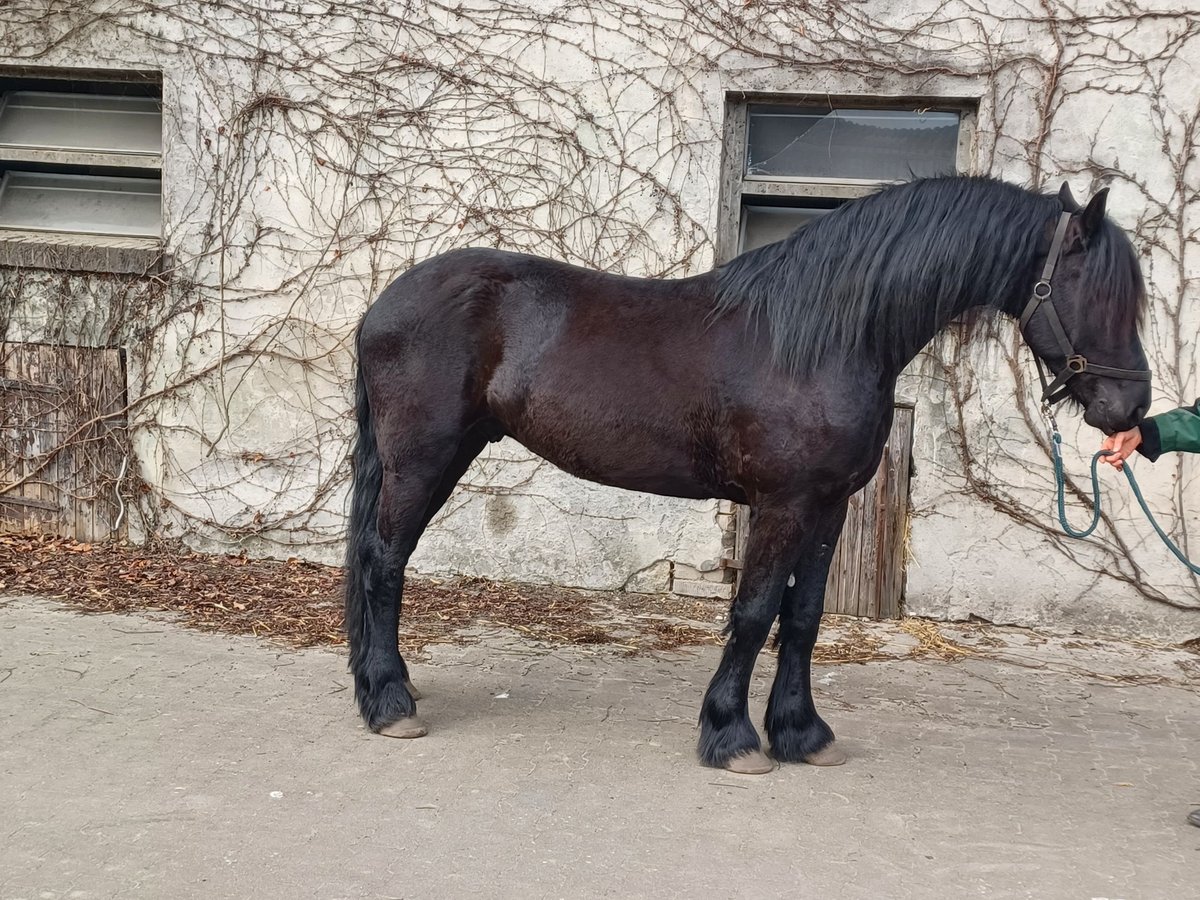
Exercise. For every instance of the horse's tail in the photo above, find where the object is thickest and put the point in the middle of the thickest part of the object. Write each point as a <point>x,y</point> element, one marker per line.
<point>367,480</point>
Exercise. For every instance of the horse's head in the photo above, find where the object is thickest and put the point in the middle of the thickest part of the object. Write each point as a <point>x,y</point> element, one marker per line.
<point>1083,319</point>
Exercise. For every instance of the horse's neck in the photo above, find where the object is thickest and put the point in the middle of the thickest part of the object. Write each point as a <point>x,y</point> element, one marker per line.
<point>931,326</point>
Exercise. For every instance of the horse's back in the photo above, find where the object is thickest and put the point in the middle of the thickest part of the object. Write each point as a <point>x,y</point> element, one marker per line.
<point>519,306</point>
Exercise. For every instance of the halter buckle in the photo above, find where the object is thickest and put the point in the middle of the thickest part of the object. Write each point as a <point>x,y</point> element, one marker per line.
<point>1042,290</point>
<point>1077,363</point>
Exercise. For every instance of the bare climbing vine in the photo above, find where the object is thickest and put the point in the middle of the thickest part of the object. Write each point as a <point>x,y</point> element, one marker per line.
<point>313,150</point>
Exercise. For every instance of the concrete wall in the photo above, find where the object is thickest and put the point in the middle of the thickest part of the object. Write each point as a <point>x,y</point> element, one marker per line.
<point>313,150</point>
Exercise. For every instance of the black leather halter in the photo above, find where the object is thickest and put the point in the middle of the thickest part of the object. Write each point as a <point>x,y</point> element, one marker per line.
<point>1056,390</point>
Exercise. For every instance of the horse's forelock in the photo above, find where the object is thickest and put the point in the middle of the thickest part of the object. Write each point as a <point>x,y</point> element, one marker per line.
<point>1111,280</point>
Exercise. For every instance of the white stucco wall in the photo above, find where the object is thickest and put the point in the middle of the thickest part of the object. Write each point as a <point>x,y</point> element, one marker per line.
<point>313,150</point>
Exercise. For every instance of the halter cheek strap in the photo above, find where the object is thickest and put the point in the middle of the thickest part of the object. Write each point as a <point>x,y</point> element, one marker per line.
<point>1056,390</point>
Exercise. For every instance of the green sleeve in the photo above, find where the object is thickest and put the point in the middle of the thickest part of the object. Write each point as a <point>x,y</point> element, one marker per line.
<point>1178,429</point>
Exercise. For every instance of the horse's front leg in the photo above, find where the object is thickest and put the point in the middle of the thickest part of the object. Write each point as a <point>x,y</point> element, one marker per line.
<point>796,732</point>
<point>727,738</point>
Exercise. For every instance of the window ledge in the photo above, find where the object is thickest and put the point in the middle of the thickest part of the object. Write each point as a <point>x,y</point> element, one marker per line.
<point>55,157</point>
<point>80,252</point>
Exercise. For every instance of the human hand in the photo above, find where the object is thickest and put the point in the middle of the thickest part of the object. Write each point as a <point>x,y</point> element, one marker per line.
<point>1121,444</point>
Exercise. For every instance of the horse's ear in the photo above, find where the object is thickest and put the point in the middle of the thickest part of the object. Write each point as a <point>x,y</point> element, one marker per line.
<point>1065,198</point>
<point>1091,218</point>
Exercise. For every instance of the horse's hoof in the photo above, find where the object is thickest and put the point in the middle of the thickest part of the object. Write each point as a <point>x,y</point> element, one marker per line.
<point>752,762</point>
<point>412,691</point>
<point>409,727</point>
<point>829,755</point>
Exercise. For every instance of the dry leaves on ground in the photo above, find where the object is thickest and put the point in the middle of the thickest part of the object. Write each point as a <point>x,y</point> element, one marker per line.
<point>299,603</point>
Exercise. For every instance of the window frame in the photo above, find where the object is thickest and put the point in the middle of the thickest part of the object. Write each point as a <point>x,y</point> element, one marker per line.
<point>737,187</point>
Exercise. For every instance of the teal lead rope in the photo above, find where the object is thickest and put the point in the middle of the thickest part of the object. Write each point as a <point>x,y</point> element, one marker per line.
<point>1056,451</point>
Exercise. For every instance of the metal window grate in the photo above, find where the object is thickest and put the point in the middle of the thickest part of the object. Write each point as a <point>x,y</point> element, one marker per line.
<point>91,123</point>
<point>81,203</point>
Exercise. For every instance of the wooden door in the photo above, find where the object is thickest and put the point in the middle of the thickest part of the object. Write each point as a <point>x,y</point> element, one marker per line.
<point>63,442</point>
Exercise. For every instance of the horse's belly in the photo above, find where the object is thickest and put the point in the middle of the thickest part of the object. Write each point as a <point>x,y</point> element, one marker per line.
<point>624,459</point>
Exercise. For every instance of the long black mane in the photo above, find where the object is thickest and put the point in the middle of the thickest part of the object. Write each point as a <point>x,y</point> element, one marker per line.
<point>880,275</point>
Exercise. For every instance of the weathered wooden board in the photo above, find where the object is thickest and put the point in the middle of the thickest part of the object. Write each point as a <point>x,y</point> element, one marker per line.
<point>62,439</point>
<point>866,577</point>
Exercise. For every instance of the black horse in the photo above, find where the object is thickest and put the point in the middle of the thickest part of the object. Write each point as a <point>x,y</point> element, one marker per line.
<point>768,381</point>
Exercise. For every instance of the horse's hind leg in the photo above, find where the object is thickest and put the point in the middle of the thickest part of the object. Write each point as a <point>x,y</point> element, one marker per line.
<point>468,449</point>
<point>727,738</point>
<point>797,733</point>
<point>415,457</point>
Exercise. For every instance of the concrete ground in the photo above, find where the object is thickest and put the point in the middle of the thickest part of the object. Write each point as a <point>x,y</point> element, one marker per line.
<point>138,759</point>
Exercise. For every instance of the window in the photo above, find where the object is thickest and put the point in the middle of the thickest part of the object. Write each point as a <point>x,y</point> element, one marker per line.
<point>789,162</point>
<point>80,166</point>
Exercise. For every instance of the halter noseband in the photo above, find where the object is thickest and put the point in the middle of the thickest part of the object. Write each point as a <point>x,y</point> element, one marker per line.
<point>1056,390</point>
